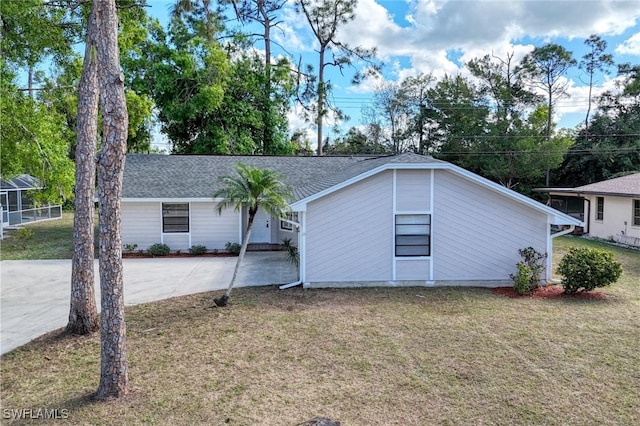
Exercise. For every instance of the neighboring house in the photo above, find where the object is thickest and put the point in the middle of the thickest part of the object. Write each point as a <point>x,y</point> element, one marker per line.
<point>17,205</point>
<point>386,221</point>
<point>610,209</point>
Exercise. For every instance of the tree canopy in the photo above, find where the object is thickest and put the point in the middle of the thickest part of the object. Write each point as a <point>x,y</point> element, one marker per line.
<point>215,80</point>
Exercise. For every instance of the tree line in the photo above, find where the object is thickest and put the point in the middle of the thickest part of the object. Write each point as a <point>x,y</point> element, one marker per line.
<point>210,80</point>
<point>498,121</point>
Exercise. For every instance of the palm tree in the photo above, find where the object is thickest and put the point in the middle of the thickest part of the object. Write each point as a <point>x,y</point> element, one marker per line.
<point>252,188</point>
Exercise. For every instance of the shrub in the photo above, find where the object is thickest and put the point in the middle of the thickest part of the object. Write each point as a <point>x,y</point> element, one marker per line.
<point>198,250</point>
<point>25,234</point>
<point>522,279</point>
<point>586,268</point>
<point>527,278</point>
<point>159,249</point>
<point>233,247</point>
<point>130,248</point>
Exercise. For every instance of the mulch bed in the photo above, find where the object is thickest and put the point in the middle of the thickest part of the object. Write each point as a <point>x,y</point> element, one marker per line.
<point>170,255</point>
<point>550,292</point>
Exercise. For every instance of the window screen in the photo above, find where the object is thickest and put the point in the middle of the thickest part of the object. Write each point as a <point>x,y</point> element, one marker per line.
<point>600,208</point>
<point>175,217</point>
<point>413,233</point>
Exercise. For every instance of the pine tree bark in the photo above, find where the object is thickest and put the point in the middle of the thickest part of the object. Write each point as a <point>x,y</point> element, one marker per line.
<point>83,314</point>
<point>114,374</point>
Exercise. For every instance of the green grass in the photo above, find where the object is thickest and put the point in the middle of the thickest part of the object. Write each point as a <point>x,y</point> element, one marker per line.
<point>416,356</point>
<point>52,239</point>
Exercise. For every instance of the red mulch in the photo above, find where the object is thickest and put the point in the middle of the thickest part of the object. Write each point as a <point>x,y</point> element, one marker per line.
<point>147,255</point>
<point>550,292</point>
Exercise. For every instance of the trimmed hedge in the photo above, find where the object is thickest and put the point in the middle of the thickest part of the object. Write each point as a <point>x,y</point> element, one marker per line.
<point>159,249</point>
<point>584,269</point>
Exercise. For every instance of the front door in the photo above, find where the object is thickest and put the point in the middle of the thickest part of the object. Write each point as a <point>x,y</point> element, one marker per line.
<point>261,232</point>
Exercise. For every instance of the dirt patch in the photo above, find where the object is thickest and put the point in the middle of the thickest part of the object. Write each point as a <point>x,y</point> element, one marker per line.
<point>550,292</point>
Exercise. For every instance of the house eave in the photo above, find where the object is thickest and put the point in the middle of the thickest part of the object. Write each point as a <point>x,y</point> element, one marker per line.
<point>171,200</point>
<point>579,192</point>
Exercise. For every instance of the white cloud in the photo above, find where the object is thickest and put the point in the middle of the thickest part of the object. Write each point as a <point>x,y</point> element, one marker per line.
<point>293,32</point>
<point>372,27</point>
<point>476,28</point>
<point>630,46</point>
<point>438,36</point>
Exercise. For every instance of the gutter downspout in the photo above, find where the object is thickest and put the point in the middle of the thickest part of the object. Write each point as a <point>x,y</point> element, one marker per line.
<point>550,257</point>
<point>293,284</point>
<point>299,281</point>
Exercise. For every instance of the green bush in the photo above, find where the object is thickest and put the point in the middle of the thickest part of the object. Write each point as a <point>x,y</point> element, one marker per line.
<point>198,250</point>
<point>529,273</point>
<point>522,279</point>
<point>586,268</point>
<point>130,248</point>
<point>159,249</point>
<point>233,248</point>
<point>25,234</point>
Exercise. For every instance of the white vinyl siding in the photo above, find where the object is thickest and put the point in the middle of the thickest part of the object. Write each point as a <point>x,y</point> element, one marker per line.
<point>412,226</point>
<point>413,190</point>
<point>479,231</point>
<point>213,230</point>
<point>141,224</point>
<point>349,235</point>
<point>412,269</point>
<point>177,241</point>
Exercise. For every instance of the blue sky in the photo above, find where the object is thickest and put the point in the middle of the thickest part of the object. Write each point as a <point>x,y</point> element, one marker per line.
<point>438,36</point>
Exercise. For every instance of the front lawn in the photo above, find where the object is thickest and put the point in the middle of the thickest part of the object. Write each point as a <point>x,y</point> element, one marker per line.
<point>51,239</point>
<point>389,356</point>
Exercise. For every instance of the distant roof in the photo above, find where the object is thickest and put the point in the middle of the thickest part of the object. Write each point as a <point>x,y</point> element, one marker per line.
<point>21,182</point>
<point>155,176</point>
<point>624,186</point>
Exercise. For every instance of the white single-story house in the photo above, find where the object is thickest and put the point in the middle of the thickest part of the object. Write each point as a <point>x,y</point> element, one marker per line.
<point>357,221</point>
<point>610,208</point>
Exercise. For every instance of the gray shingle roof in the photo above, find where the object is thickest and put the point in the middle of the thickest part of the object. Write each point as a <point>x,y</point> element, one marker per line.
<point>197,176</point>
<point>625,185</point>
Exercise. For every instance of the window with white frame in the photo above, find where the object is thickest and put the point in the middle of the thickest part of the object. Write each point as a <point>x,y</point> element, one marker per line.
<point>288,226</point>
<point>413,235</point>
<point>599,208</point>
<point>636,213</point>
<point>175,217</point>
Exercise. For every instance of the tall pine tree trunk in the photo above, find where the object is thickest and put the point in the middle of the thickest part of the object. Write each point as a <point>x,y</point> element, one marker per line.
<point>83,315</point>
<point>114,375</point>
<point>267,133</point>
<point>321,100</point>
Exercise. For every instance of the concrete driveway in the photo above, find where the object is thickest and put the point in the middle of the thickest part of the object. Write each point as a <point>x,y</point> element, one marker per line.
<point>34,294</point>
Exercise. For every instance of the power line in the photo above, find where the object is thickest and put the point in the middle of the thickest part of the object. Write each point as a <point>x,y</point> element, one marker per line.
<point>536,153</point>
